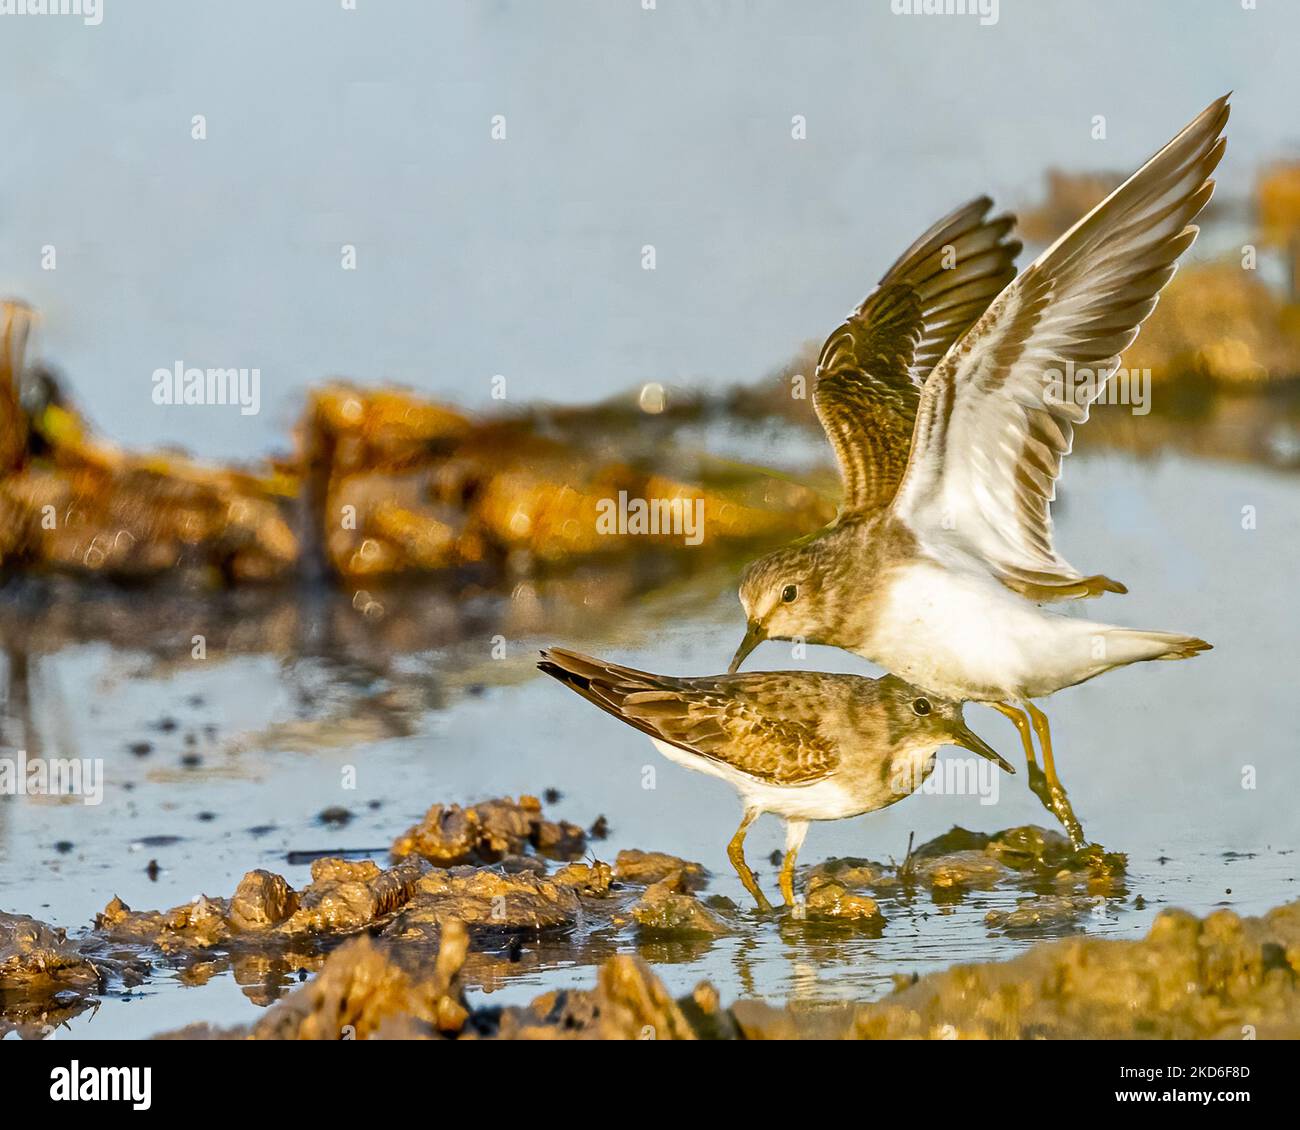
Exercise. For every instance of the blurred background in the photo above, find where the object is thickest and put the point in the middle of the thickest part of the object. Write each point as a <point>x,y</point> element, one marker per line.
<point>401,645</point>
<point>624,127</point>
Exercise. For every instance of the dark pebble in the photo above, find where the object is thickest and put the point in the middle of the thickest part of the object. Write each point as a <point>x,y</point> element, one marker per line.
<point>335,817</point>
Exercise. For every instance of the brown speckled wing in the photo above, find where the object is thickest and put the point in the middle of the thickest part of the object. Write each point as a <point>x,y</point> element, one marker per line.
<point>871,369</point>
<point>754,723</point>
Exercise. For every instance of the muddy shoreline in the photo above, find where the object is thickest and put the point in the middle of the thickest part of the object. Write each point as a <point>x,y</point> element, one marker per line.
<point>471,897</point>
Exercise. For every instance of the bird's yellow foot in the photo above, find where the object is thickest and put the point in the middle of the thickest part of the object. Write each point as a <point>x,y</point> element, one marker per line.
<point>794,834</point>
<point>736,853</point>
<point>1050,790</point>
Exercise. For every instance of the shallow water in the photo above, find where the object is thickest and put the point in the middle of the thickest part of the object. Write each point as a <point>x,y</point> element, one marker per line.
<point>250,746</point>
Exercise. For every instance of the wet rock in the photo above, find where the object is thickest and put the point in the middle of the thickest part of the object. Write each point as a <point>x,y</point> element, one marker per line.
<point>590,879</point>
<point>38,962</point>
<point>261,900</point>
<point>193,925</point>
<point>707,1016</point>
<point>1029,855</point>
<point>959,871</point>
<point>1043,852</point>
<point>484,899</point>
<point>485,833</point>
<point>632,1004</point>
<point>628,1003</point>
<point>364,991</point>
<point>559,840</point>
<point>667,910</point>
<point>335,817</point>
<point>345,895</point>
<point>852,872</point>
<point>829,898</point>
<point>646,867</point>
<point>1044,912</point>
<point>518,864</point>
<point>1222,977</point>
<point>955,839</point>
<point>46,980</point>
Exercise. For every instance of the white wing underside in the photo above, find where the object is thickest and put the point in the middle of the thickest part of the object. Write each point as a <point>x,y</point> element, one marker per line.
<point>997,414</point>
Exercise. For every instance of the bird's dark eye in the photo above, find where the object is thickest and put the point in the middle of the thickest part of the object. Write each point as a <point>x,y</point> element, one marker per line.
<point>789,593</point>
<point>921,706</point>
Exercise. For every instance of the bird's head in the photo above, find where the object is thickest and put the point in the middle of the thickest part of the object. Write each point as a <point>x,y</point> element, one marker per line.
<point>931,720</point>
<point>784,598</point>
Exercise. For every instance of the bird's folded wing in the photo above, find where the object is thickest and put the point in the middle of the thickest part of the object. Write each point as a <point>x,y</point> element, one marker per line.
<point>871,369</point>
<point>755,731</point>
<point>753,723</point>
<point>997,414</point>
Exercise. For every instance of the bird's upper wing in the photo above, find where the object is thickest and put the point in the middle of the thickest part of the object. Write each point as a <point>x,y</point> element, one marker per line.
<point>752,722</point>
<point>997,415</point>
<point>871,369</point>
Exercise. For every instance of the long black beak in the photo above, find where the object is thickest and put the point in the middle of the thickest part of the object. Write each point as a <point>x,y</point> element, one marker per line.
<point>755,634</point>
<point>968,739</point>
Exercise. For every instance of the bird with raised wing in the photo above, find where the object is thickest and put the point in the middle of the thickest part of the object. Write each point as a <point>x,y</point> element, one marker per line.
<point>941,558</point>
<point>803,745</point>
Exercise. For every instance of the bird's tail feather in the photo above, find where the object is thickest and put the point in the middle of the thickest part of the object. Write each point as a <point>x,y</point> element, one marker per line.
<point>1131,645</point>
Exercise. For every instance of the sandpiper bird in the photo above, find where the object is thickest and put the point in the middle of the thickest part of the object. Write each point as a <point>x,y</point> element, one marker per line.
<point>804,745</point>
<point>941,555</point>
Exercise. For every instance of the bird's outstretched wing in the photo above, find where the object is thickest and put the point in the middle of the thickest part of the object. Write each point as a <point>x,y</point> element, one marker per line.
<point>997,414</point>
<point>871,369</point>
<point>750,722</point>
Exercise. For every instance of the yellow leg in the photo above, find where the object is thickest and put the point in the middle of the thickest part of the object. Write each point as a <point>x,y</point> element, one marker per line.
<point>1061,803</point>
<point>736,853</point>
<point>795,830</point>
<point>1022,725</point>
